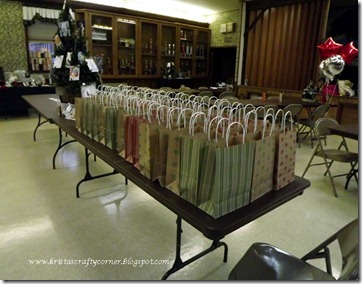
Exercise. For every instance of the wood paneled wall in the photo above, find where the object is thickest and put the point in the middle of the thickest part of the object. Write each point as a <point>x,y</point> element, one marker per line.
<point>281,47</point>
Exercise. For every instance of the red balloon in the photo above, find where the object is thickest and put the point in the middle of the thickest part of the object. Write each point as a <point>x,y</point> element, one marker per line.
<point>348,52</point>
<point>329,48</point>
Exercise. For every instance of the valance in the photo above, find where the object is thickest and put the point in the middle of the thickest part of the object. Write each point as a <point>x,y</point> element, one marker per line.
<point>30,14</point>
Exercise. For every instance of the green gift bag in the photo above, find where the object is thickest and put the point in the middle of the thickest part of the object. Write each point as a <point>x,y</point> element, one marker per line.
<point>232,176</point>
<point>172,177</point>
<point>110,129</point>
<point>215,140</point>
<point>192,151</point>
<point>102,123</point>
<point>95,123</point>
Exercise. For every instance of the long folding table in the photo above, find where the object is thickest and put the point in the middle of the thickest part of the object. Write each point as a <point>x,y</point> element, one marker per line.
<point>214,229</point>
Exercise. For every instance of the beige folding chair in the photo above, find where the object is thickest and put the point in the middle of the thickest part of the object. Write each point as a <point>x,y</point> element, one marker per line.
<point>206,94</point>
<point>266,262</point>
<point>332,154</point>
<point>307,127</point>
<point>295,110</point>
<point>226,94</point>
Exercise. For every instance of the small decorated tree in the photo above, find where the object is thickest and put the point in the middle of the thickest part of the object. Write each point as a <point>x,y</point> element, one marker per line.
<point>71,70</point>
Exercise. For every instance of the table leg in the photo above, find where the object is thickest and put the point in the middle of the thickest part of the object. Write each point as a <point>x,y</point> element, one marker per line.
<point>38,125</point>
<point>88,175</point>
<point>60,145</point>
<point>179,263</point>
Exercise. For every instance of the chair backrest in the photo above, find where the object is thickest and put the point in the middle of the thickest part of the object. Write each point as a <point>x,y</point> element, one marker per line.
<point>295,109</point>
<point>322,126</point>
<point>318,113</point>
<point>226,94</point>
<point>348,241</point>
<point>231,99</point>
<point>262,111</point>
<point>206,93</point>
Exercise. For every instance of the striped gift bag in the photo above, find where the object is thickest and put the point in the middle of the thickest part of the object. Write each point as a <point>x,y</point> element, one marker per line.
<point>232,176</point>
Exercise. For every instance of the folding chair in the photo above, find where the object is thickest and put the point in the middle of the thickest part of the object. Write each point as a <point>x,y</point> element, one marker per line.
<point>295,110</point>
<point>266,262</point>
<point>307,127</point>
<point>330,155</point>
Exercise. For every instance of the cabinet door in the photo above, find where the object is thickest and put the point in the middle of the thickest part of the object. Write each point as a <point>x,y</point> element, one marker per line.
<point>201,52</point>
<point>186,52</point>
<point>149,48</point>
<point>168,49</point>
<point>102,43</point>
<point>126,46</point>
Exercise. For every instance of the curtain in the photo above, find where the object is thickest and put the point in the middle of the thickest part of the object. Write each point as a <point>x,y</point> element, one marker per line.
<point>30,14</point>
<point>281,44</point>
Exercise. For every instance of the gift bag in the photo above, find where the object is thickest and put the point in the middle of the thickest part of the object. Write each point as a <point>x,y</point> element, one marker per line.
<point>192,151</point>
<point>83,127</point>
<point>148,140</point>
<point>172,177</point>
<point>110,129</point>
<point>95,123</point>
<point>78,112</point>
<point>101,123</point>
<point>120,132</point>
<point>130,127</point>
<point>89,112</point>
<point>159,162</point>
<point>232,176</point>
<point>284,165</point>
<point>264,158</point>
<point>215,140</point>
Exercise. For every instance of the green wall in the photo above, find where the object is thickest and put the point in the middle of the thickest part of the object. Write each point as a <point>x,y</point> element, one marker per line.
<point>12,37</point>
<point>218,39</point>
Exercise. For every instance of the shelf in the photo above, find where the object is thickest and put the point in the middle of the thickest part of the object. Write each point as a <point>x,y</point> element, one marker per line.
<point>127,39</point>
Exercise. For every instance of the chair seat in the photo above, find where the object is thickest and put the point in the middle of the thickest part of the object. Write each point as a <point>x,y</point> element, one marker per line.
<point>266,262</point>
<point>339,155</point>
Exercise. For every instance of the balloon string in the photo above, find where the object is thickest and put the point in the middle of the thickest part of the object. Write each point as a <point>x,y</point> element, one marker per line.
<point>330,97</point>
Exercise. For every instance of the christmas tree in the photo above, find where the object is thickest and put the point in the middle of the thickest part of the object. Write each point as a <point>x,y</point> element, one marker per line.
<point>70,69</point>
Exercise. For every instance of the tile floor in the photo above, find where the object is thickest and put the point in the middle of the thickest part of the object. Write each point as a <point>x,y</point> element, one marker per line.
<point>40,218</point>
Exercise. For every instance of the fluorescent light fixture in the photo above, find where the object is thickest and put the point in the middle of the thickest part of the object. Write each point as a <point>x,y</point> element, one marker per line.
<point>102,27</point>
<point>127,21</point>
<point>171,8</point>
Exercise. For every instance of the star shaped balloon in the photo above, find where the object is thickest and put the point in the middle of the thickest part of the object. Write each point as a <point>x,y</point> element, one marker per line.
<point>348,52</point>
<point>329,48</point>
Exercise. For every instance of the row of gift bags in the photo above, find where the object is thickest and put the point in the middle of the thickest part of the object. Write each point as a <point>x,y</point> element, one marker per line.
<point>218,158</point>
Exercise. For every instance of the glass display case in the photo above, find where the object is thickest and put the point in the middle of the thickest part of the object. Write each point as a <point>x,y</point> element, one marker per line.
<point>186,52</point>
<point>168,47</point>
<point>201,52</point>
<point>149,54</point>
<point>138,47</point>
<point>126,46</point>
<point>102,35</point>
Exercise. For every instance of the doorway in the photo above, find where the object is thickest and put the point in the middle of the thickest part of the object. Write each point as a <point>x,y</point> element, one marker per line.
<point>223,65</point>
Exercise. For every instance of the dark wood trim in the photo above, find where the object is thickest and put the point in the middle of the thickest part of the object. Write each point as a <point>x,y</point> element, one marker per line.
<point>58,4</point>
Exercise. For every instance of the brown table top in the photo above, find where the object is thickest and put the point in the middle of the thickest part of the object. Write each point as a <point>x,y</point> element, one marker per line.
<point>214,229</point>
<point>281,104</point>
<point>346,130</point>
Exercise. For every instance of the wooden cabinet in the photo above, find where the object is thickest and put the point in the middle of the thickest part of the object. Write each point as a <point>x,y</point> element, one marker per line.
<point>133,47</point>
<point>125,53</point>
